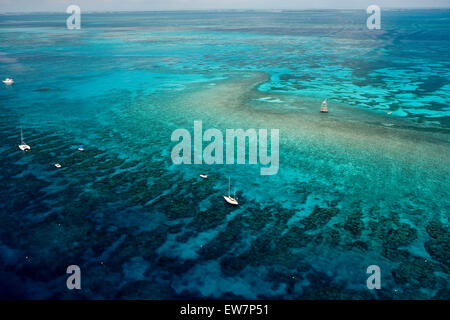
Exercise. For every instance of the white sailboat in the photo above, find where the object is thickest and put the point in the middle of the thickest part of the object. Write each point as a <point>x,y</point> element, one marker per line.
<point>229,198</point>
<point>8,81</point>
<point>23,146</point>
<point>324,106</point>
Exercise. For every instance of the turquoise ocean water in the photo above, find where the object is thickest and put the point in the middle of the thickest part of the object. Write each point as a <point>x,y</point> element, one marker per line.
<point>355,187</point>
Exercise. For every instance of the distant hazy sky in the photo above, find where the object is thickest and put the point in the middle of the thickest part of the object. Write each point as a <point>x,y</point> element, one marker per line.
<point>138,5</point>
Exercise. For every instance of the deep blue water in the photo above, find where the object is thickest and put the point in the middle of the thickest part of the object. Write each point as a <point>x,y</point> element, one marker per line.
<point>356,188</point>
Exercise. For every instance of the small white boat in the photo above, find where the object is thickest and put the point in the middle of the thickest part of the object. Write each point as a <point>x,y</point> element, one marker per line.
<point>229,199</point>
<point>23,146</point>
<point>389,113</point>
<point>204,176</point>
<point>324,106</point>
<point>8,81</point>
<point>80,148</point>
<point>58,165</point>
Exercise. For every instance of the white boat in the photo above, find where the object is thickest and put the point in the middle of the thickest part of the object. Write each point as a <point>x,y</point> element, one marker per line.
<point>57,165</point>
<point>324,106</point>
<point>80,148</point>
<point>23,146</point>
<point>204,176</point>
<point>8,81</point>
<point>229,198</point>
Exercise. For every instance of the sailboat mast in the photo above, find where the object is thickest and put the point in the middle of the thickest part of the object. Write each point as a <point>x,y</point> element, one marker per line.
<point>21,136</point>
<point>229,186</point>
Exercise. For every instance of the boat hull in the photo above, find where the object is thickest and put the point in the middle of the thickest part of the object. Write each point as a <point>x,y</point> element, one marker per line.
<point>231,200</point>
<point>24,147</point>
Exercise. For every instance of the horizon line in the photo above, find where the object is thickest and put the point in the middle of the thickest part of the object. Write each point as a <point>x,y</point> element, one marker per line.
<point>227,9</point>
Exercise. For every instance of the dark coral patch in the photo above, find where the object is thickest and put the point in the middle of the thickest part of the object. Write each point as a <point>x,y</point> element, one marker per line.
<point>354,223</point>
<point>319,217</point>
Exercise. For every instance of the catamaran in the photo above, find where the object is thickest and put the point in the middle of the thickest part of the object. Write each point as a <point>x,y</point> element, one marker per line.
<point>8,81</point>
<point>229,198</point>
<point>324,106</point>
<point>23,146</point>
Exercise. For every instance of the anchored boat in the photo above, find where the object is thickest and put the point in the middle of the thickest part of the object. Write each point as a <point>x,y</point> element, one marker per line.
<point>229,199</point>
<point>8,81</point>
<point>23,146</point>
<point>324,106</point>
